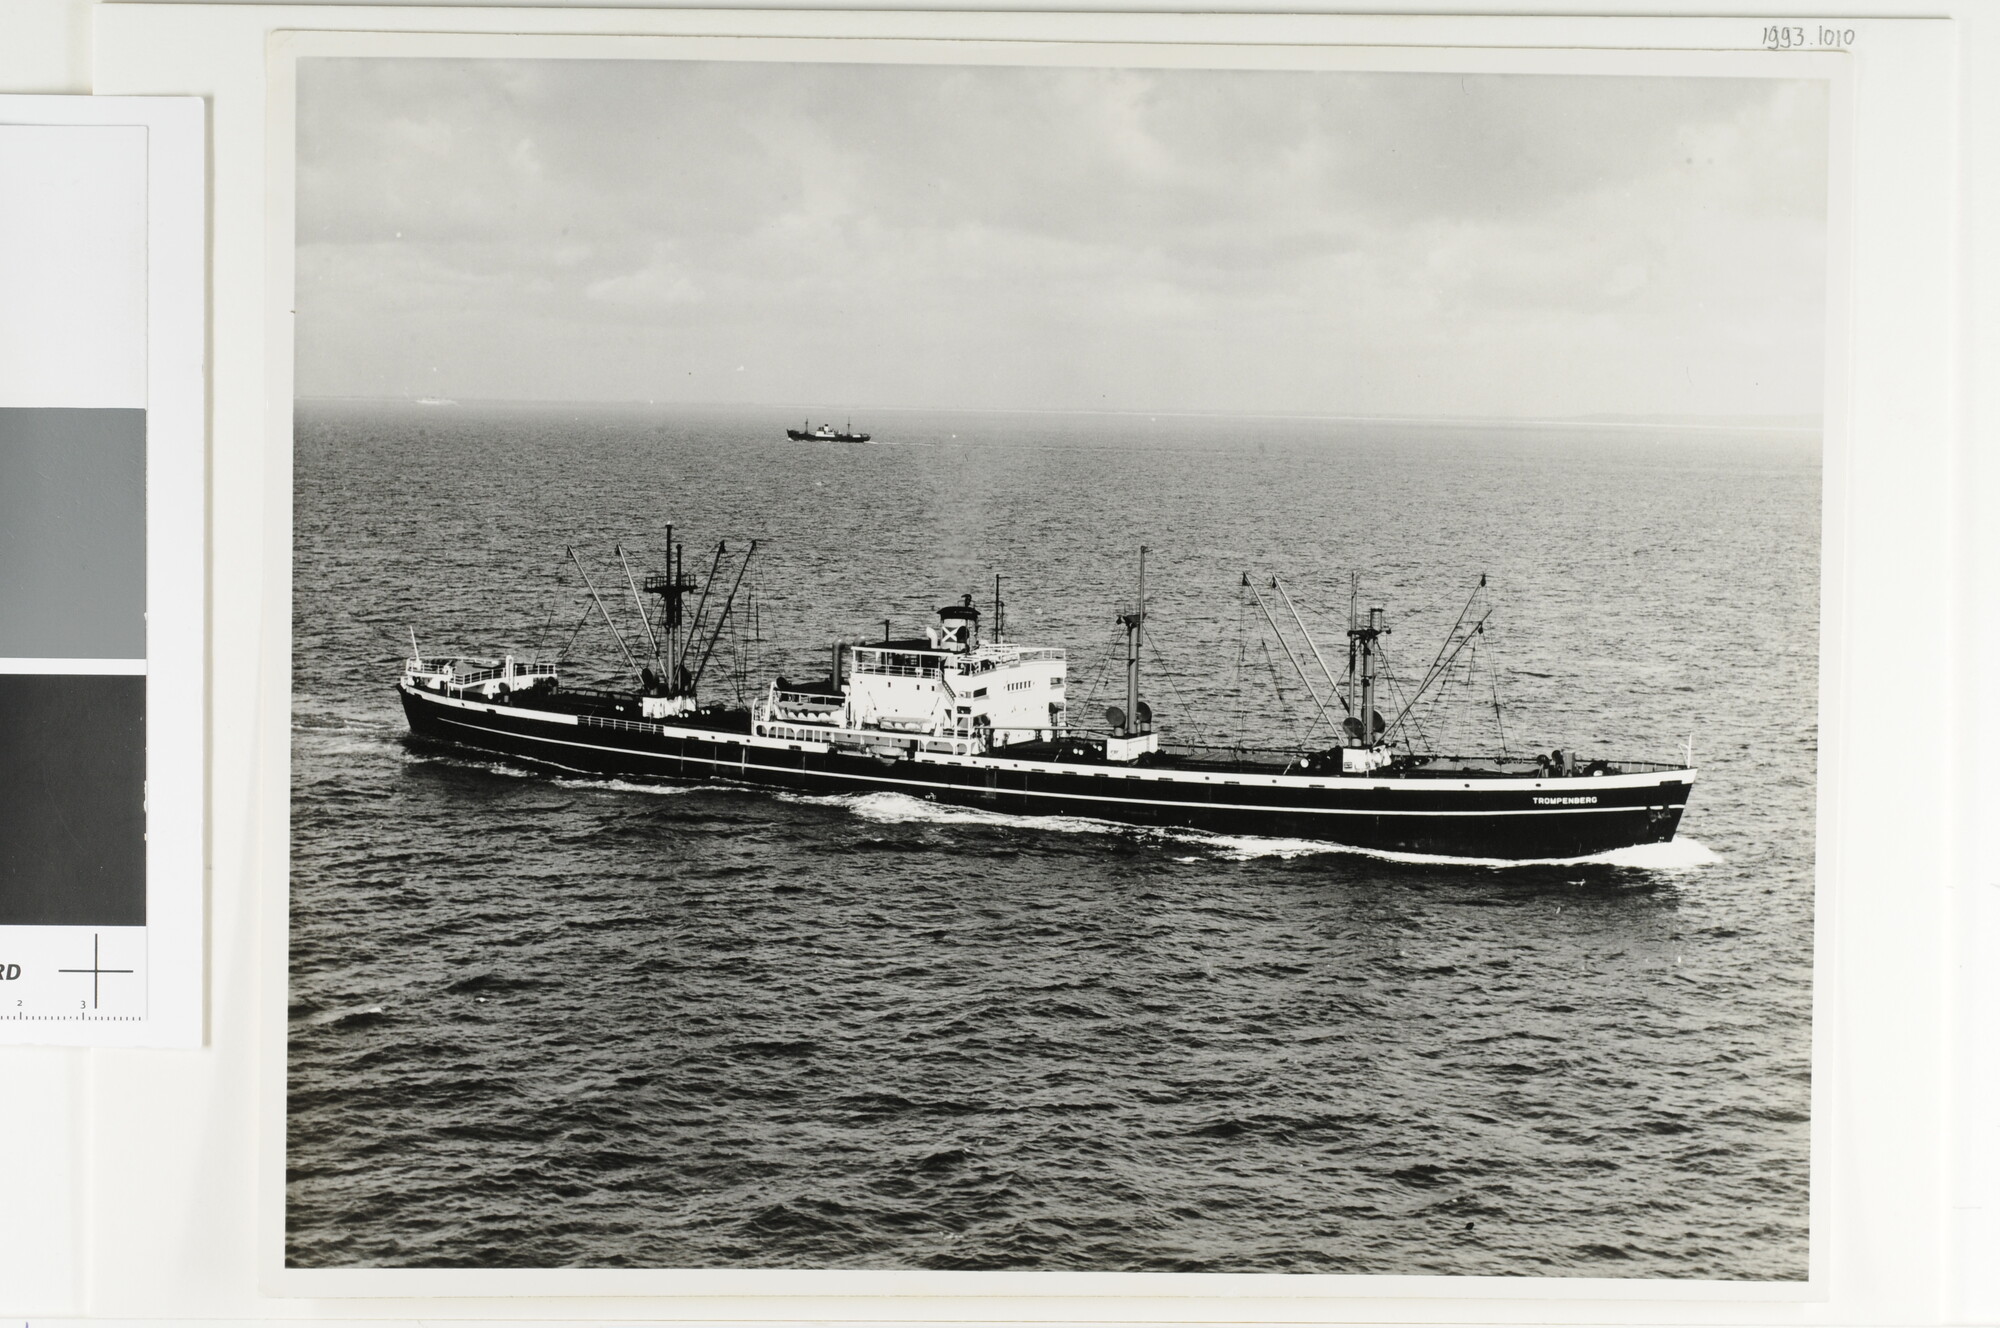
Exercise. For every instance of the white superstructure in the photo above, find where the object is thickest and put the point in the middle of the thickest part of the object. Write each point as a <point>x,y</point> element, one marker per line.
<point>945,691</point>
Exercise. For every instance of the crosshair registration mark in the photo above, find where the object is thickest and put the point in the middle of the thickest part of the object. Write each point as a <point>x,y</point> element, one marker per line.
<point>96,970</point>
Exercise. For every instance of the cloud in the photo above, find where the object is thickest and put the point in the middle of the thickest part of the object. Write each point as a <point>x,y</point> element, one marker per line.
<point>1061,237</point>
<point>662,282</point>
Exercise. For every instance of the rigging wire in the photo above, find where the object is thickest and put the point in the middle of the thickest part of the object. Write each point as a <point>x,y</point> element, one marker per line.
<point>1242,650</point>
<point>1449,636</point>
<point>1478,706</point>
<point>381,631</point>
<point>547,618</point>
<point>1278,686</point>
<point>1432,715</point>
<point>736,653</point>
<point>564,654</point>
<point>1406,716</point>
<point>1180,697</point>
<point>1097,678</point>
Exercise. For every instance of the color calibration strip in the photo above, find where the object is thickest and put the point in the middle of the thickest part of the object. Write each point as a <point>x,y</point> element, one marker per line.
<point>84,609</point>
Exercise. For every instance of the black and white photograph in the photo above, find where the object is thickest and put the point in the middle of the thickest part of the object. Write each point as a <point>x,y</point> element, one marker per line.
<point>1054,667</point>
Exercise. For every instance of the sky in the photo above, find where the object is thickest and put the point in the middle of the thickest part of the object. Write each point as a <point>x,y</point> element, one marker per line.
<point>832,238</point>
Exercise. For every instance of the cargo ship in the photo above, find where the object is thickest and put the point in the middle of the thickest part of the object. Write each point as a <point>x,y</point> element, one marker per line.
<point>979,721</point>
<point>826,433</point>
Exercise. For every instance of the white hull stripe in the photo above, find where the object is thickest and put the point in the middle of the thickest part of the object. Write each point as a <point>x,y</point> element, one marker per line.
<point>1034,793</point>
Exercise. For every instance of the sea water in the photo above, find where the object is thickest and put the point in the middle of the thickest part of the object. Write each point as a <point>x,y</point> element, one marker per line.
<point>547,1020</point>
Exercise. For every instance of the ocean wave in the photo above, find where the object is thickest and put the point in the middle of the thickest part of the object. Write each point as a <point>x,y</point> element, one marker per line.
<point>1677,855</point>
<point>1680,854</point>
<point>342,742</point>
<point>624,786</point>
<point>903,809</point>
<point>348,1017</point>
<point>320,717</point>
<point>1248,848</point>
<point>468,763</point>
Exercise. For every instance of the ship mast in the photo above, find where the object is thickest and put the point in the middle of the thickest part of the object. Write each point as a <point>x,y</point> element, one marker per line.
<point>677,569</point>
<point>1362,641</point>
<point>1134,625</point>
<point>1353,600</point>
<point>672,586</point>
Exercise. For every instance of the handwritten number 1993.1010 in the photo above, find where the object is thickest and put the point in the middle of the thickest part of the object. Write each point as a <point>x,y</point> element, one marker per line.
<point>1815,38</point>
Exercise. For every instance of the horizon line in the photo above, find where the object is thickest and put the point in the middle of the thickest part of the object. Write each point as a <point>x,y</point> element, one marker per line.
<point>1773,423</point>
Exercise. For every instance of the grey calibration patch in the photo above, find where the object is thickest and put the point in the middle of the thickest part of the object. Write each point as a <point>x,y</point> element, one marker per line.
<point>72,533</point>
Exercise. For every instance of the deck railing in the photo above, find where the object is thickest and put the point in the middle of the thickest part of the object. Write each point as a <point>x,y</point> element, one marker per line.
<point>859,665</point>
<point>817,700</point>
<point>486,673</point>
<point>629,725</point>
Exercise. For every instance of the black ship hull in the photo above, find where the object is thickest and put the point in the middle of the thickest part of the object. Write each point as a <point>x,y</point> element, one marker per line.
<point>1512,818</point>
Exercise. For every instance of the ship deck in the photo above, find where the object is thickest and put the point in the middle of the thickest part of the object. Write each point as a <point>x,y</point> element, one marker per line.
<point>601,704</point>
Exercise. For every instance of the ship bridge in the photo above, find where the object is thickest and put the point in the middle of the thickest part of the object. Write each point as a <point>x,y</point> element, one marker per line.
<point>945,691</point>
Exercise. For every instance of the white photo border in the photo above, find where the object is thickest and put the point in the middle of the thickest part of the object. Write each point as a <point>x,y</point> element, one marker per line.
<point>1888,465</point>
<point>288,47</point>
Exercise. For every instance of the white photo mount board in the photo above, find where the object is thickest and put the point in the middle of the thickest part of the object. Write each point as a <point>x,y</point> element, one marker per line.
<point>102,525</point>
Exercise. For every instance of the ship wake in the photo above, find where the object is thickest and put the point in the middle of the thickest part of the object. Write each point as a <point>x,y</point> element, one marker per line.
<point>1679,855</point>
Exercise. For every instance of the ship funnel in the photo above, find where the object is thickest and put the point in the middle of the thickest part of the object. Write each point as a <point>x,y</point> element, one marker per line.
<point>959,629</point>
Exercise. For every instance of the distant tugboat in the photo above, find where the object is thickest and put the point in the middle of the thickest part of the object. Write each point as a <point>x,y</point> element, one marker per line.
<point>826,433</point>
<point>948,717</point>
